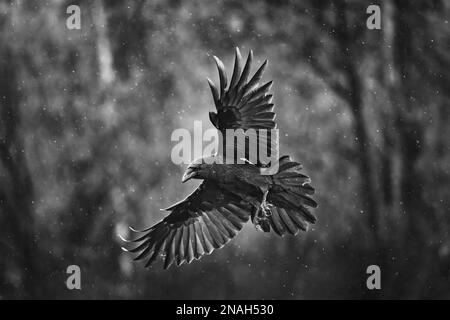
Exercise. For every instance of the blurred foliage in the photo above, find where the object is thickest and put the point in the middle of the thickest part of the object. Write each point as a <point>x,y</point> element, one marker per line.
<point>85,123</point>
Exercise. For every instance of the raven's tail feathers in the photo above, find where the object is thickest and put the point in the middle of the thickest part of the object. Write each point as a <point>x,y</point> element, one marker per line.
<point>290,196</point>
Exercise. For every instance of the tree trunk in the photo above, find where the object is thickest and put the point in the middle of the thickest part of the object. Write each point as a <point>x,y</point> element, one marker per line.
<point>365,161</point>
<point>18,203</point>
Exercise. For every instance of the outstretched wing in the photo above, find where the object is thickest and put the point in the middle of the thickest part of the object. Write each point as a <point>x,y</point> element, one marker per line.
<point>204,221</point>
<point>243,104</point>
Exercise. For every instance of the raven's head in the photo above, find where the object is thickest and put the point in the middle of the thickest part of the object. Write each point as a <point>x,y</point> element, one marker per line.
<point>199,169</point>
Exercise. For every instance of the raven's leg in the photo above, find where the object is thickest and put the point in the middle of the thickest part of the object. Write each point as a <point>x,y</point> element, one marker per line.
<point>261,213</point>
<point>265,207</point>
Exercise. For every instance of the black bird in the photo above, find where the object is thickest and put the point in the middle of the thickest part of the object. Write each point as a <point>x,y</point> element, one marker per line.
<point>231,193</point>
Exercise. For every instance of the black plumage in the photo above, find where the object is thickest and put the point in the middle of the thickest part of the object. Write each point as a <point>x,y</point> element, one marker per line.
<point>231,194</point>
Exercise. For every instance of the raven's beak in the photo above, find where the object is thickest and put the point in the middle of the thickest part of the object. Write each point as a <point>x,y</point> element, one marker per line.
<point>188,175</point>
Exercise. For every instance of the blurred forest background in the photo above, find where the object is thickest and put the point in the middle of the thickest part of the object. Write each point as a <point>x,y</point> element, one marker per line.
<point>85,123</point>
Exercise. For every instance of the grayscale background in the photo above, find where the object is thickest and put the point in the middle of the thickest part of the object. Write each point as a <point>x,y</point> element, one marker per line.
<point>85,123</point>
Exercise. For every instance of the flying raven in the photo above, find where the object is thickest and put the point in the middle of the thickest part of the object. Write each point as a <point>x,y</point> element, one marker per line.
<point>231,193</point>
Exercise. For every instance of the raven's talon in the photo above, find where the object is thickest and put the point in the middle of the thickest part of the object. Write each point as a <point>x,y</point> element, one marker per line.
<point>257,221</point>
<point>265,210</point>
<point>258,227</point>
